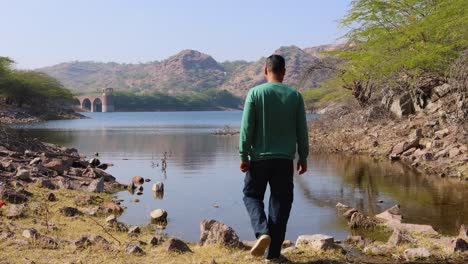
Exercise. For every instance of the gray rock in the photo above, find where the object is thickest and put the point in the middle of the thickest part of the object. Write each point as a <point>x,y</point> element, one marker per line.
<point>416,253</point>
<point>378,250</point>
<point>400,237</point>
<point>177,245</point>
<point>96,185</point>
<point>342,206</point>
<point>349,213</point>
<point>133,250</point>
<point>89,211</point>
<point>158,187</point>
<point>159,215</point>
<point>315,242</point>
<point>15,211</point>
<point>214,232</point>
<point>402,105</point>
<point>35,161</point>
<point>134,231</point>
<point>463,234</point>
<point>46,183</point>
<point>82,243</point>
<point>30,233</point>
<point>392,213</point>
<point>459,245</point>
<point>442,133</point>
<point>47,242</point>
<point>111,219</point>
<point>442,90</point>
<point>154,241</point>
<point>50,196</point>
<point>23,174</point>
<point>69,211</point>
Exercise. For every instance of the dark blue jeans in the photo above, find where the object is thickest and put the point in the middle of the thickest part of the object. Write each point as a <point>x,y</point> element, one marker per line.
<point>278,173</point>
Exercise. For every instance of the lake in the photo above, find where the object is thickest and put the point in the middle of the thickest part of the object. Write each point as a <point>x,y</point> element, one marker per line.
<point>202,179</point>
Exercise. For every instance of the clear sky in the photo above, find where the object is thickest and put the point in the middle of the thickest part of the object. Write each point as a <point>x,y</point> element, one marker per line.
<point>38,33</point>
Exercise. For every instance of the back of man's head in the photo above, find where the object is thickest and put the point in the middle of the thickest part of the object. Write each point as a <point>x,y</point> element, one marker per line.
<point>276,64</point>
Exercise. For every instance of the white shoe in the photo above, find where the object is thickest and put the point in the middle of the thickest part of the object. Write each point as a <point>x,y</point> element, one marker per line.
<point>263,242</point>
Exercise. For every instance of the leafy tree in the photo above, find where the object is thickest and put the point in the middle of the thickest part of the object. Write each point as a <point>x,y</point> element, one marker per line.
<point>391,38</point>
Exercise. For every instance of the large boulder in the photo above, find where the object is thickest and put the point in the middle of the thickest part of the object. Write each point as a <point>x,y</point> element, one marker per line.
<point>315,242</point>
<point>214,232</point>
<point>391,214</point>
<point>96,185</point>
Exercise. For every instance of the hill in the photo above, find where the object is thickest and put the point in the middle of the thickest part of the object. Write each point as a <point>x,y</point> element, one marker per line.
<point>187,72</point>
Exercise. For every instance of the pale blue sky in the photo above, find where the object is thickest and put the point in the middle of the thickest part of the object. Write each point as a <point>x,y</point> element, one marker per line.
<point>38,33</point>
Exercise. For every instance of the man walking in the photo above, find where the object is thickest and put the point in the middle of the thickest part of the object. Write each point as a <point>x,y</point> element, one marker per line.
<point>273,123</point>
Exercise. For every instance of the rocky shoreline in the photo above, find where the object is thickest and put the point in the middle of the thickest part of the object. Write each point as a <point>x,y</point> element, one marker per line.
<point>433,140</point>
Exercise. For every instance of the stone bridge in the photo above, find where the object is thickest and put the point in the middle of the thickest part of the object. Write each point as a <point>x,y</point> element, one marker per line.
<point>97,103</point>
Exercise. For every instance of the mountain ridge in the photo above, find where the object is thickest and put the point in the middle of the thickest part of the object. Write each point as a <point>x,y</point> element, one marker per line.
<point>188,71</point>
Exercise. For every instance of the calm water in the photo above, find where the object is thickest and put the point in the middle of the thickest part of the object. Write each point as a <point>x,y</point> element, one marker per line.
<point>203,171</point>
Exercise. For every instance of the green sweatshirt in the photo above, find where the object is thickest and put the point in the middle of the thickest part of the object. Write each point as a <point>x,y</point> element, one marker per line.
<point>273,122</point>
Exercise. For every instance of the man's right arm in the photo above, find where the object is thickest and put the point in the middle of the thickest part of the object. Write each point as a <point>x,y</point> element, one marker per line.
<point>247,128</point>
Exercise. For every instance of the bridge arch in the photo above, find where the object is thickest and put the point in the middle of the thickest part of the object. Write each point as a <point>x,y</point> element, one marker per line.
<point>86,104</point>
<point>101,103</point>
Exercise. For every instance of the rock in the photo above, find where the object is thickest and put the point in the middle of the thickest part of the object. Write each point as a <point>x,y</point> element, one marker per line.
<point>96,185</point>
<point>76,172</point>
<point>441,133</point>
<point>15,211</point>
<point>459,245</point>
<point>84,200</point>
<point>349,213</point>
<point>59,165</point>
<point>177,245</point>
<point>50,196</point>
<point>342,206</point>
<point>288,250</point>
<point>409,152</point>
<point>315,242</point>
<point>401,147</point>
<point>158,187</point>
<point>103,166</point>
<point>287,243</point>
<point>426,230</point>
<point>214,232</point>
<point>358,241</point>
<point>94,162</point>
<point>30,233</point>
<point>442,90</point>
<point>359,220</point>
<point>113,207</point>
<point>46,183</point>
<point>147,180</point>
<point>89,211</point>
<point>134,231</point>
<point>153,241</point>
<point>22,174</point>
<point>400,237</point>
<point>134,250</point>
<point>96,173</point>
<point>136,200</point>
<point>140,188</point>
<point>111,219</point>
<point>392,213</point>
<point>12,196</point>
<point>437,143</point>
<point>159,215</point>
<point>378,250</point>
<point>416,253</point>
<point>402,105</point>
<point>463,234</point>
<point>47,242</point>
<point>35,161</point>
<point>138,180</point>
<point>69,211</point>
<point>121,227</point>
<point>99,240</point>
<point>82,243</point>
<point>453,152</point>
<point>6,234</point>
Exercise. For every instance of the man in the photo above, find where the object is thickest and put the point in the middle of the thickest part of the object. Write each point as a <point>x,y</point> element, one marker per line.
<point>273,123</point>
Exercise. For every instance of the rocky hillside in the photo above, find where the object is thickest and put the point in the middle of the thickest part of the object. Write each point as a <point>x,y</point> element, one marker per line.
<point>188,71</point>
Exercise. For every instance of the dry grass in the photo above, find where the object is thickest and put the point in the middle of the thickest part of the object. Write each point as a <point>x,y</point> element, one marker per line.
<point>72,228</point>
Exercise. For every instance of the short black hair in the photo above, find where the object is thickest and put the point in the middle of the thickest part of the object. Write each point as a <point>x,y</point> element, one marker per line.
<point>276,64</point>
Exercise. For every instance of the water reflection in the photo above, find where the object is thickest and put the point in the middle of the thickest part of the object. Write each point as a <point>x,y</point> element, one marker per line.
<point>202,180</point>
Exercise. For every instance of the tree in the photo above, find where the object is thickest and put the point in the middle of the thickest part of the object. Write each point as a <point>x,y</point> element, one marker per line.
<point>393,38</point>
